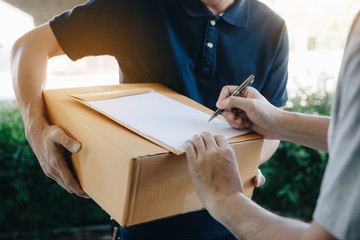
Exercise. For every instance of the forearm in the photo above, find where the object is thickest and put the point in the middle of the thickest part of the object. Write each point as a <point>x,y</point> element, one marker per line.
<point>29,61</point>
<point>307,130</point>
<point>246,220</point>
<point>29,70</point>
<point>217,182</point>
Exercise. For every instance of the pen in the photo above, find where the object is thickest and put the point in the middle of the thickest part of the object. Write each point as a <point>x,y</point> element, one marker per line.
<point>240,89</point>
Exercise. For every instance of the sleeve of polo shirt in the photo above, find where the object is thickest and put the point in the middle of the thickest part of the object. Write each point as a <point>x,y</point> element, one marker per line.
<point>274,89</point>
<point>98,27</point>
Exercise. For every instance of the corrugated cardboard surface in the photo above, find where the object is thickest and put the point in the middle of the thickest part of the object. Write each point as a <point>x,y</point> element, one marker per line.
<point>131,178</point>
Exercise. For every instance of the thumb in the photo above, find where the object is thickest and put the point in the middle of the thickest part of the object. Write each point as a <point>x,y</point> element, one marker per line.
<point>67,142</point>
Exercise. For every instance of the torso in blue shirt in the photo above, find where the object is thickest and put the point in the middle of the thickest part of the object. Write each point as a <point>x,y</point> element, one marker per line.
<point>181,44</point>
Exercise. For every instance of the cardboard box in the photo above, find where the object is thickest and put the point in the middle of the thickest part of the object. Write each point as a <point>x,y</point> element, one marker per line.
<point>131,178</point>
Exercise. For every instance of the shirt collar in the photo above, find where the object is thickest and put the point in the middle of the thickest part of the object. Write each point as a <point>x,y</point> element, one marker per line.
<point>237,14</point>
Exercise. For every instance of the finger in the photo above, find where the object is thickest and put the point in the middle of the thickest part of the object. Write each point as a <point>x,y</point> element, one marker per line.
<point>209,140</point>
<point>52,173</point>
<point>66,176</point>
<point>233,120</point>
<point>242,121</point>
<point>225,148</point>
<point>221,141</point>
<point>259,179</point>
<point>190,151</point>
<point>244,104</point>
<point>50,167</point>
<point>225,93</point>
<point>67,142</point>
<point>70,183</point>
<point>198,143</point>
<point>228,115</point>
<point>60,172</point>
<point>243,116</point>
<point>58,165</point>
<point>251,92</point>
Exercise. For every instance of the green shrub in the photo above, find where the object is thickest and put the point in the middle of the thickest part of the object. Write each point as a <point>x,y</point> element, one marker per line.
<point>294,173</point>
<point>30,201</point>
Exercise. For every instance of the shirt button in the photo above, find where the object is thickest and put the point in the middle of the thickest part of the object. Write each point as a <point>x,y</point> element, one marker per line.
<point>210,45</point>
<point>212,22</point>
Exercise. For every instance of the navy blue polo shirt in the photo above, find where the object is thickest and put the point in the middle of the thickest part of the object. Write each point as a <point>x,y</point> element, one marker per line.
<point>182,45</point>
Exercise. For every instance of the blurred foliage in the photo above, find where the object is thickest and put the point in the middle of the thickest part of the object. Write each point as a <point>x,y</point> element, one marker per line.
<point>324,29</point>
<point>294,172</point>
<point>30,201</point>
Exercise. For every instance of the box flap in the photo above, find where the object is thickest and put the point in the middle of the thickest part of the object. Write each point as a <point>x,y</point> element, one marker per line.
<point>109,94</point>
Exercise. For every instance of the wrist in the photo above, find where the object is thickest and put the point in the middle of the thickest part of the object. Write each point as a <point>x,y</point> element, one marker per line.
<point>279,130</point>
<point>221,207</point>
<point>34,126</point>
<point>272,124</point>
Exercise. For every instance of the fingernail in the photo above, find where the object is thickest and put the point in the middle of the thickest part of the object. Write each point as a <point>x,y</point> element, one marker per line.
<point>86,196</point>
<point>76,147</point>
<point>257,181</point>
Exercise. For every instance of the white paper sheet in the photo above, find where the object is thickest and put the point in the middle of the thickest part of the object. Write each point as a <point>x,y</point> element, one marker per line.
<point>163,118</point>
